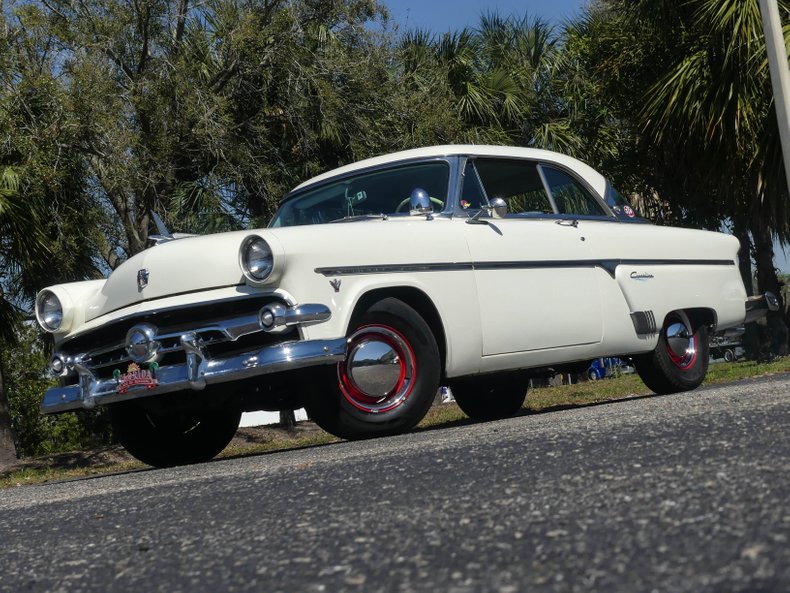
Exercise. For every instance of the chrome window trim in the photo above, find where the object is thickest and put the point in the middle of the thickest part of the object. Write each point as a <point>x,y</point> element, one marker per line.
<point>547,189</point>
<point>586,188</point>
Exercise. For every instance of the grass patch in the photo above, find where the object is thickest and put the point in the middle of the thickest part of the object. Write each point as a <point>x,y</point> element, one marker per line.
<point>264,440</point>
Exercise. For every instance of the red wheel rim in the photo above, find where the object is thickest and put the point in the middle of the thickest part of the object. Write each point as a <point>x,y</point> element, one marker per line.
<point>378,373</point>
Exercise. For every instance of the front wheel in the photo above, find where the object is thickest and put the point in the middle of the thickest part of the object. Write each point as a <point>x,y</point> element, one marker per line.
<point>680,360</point>
<point>388,380</point>
<point>173,438</point>
<point>493,398</point>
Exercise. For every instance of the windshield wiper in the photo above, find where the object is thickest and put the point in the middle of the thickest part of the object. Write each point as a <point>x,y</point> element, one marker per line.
<point>358,217</point>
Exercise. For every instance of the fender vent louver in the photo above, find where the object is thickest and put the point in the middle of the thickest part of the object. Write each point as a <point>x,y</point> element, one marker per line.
<point>644,322</point>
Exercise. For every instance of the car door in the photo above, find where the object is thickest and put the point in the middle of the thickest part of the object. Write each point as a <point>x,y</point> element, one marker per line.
<point>536,282</point>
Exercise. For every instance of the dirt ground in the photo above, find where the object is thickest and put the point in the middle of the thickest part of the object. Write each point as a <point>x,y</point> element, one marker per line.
<point>116,454</point>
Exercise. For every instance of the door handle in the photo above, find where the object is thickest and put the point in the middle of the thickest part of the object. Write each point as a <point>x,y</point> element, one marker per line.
<point>565,222</point>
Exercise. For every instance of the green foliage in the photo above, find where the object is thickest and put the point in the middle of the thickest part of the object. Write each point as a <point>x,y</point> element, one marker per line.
<point>36,434</point>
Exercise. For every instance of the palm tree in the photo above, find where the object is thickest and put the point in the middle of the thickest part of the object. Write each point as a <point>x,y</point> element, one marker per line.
<point>689,79</point>
<point>500,78</point>
<point>20,242</point>
<point>713,106</point>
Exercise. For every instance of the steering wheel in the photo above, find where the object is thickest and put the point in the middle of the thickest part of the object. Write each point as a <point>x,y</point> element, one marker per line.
<point>436,201</point>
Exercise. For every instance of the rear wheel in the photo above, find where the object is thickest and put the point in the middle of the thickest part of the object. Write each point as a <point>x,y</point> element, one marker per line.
<point>388,380</point>
<point>680,360</point>
<point>729,355</point>
<point>490,398</point>
<point>167,439</point>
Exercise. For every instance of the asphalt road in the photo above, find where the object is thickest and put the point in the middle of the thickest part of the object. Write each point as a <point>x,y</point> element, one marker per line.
<point>676,493</point>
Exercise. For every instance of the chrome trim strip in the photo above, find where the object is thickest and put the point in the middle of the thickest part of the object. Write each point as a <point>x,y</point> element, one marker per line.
<point>272,359</point>
<point>609,265</point>
<point>393,269</point>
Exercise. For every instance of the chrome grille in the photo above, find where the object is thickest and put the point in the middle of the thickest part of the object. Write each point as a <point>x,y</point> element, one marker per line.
<point>219,327</point>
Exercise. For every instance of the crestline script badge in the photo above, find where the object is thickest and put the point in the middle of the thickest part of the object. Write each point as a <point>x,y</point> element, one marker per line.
<point>136,377</point>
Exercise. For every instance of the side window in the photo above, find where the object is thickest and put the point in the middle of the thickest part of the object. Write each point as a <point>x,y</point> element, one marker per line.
<point>517,182</point>
<point>569,196</point>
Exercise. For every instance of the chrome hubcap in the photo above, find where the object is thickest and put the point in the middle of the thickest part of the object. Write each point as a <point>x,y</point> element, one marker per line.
<point>681,344</point>
<point>378,374</point>
<point>374,367</point>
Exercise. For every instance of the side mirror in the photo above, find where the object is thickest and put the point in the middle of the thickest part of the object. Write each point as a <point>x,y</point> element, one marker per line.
<point>498,208</point>
<point>419,202</point>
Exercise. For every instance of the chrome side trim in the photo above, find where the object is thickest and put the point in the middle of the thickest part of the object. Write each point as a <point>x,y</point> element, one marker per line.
<point>197,373</point>
<point>609,265</point>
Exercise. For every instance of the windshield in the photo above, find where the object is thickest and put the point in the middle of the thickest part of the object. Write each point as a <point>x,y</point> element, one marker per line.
<point>385,191</point>
<point>621,207</point>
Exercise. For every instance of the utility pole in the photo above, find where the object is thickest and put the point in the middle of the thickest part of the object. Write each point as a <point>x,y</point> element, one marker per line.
<point>780,76</point>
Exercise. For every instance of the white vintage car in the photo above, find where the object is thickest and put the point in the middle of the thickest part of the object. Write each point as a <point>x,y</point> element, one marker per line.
<point>469,266</point>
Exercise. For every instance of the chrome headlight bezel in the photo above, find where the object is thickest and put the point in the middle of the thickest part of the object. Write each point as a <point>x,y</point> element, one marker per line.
<point>259,263</point>
<point>53,312</point>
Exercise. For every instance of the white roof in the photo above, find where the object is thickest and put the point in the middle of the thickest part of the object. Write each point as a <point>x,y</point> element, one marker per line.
<point>595,179</point>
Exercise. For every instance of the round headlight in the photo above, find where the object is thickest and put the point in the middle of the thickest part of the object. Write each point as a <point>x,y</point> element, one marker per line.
<point>49,311</point>
<point>257,260</point>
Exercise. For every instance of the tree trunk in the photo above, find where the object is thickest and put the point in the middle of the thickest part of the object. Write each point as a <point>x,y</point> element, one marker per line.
<point>751,338</point>
<point>287,420</point>
<point>7,447</point>
<point>741,232</point>
<point>767,280</point>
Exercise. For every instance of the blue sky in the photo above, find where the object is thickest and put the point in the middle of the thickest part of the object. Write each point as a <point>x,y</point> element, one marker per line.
<point>446,15</point>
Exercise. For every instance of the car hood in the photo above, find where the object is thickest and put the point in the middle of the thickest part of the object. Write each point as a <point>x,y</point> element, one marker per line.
<point>176,267</point>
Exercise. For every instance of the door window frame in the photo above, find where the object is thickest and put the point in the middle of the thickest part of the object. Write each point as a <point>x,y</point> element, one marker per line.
<point>607,216</point>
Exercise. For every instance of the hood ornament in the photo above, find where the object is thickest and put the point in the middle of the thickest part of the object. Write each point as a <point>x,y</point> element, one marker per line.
<point>142,278</point>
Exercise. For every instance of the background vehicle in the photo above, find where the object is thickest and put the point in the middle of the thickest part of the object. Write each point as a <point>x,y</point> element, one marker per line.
<point>609,366</point>
<point>727,345</point>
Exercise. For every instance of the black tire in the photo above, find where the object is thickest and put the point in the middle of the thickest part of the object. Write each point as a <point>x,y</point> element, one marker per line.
<point>668,370</point>
<point>486,399</point>
<point>339,402</point>
<point>729,355</point>
<point>168,439</point>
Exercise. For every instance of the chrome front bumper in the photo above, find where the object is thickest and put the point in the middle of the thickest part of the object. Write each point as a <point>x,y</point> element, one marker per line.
<point>197,373</point>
